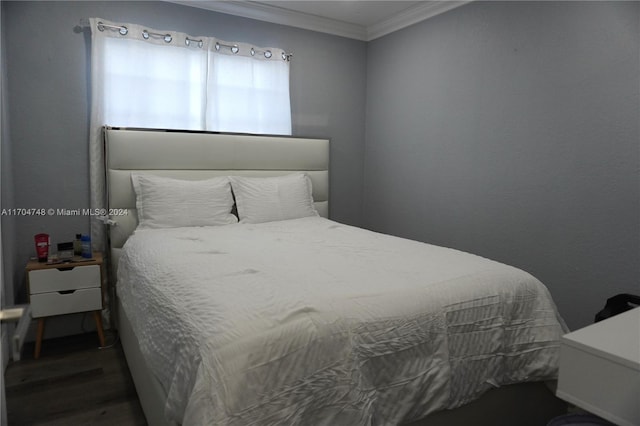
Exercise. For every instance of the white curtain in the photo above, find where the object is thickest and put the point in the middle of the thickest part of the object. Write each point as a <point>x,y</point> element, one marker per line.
<point>245,95</point>
<point>142,77</point>
<point>148,85</point>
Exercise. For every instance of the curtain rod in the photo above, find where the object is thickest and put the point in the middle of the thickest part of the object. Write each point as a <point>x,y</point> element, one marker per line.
<point>234,48</point>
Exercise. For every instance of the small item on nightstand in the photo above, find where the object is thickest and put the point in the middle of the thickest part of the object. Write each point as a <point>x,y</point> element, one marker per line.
<point>65,251</point>
<point>42,246</point>
<point>86,246</point>
<point>77,245</point>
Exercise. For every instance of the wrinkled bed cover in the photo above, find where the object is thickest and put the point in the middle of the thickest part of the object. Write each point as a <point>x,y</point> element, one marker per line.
<point>312,322</point>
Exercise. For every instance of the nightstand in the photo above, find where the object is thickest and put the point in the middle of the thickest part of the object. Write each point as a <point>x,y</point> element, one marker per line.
<point>65,288</point>
<point>600,368</point>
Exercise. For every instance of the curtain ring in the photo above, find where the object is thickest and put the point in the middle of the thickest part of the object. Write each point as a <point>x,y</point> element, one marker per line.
<point>268,54</point>
<point>121,29</point>
<point>235,49</point>
<point>188,41</point>
<point>166,37</point>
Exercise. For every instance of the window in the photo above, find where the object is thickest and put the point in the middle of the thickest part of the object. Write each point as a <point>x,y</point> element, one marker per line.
<point>158,79</point>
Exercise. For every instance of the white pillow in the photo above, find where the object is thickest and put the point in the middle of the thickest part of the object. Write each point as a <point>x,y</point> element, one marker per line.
<point>164,202</point>
<point>267,199</point>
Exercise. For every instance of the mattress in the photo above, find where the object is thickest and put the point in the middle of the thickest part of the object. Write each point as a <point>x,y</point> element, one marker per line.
<point>310,321</point>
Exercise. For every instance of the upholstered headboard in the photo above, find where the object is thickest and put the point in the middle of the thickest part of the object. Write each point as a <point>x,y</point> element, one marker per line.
<point>201,155</point>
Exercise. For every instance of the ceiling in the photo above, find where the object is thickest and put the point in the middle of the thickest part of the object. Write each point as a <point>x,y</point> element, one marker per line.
<point>365,13</point>
<point>358,19</point>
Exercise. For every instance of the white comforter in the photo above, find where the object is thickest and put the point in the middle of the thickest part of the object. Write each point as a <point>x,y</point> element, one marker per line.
<point>312,322</point>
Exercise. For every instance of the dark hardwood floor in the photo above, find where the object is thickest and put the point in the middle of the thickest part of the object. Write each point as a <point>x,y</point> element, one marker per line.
<point>73,383</point>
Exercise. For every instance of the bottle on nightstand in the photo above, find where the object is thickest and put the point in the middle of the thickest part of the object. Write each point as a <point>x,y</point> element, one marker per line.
<point>77,245</point>
<point>86,246</point>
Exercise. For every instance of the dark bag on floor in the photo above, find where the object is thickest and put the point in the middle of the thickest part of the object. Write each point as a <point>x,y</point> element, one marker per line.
<point>618,304</point>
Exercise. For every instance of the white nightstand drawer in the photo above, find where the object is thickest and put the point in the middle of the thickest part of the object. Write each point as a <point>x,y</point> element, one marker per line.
<point>64,278</point>
<point>56,303</point>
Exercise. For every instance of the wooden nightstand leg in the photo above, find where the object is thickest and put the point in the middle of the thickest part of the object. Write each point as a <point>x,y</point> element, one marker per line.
<point>98,317</point>
<point>39,334</point>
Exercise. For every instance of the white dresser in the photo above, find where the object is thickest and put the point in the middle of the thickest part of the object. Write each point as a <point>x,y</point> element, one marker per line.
<point>600,368</point>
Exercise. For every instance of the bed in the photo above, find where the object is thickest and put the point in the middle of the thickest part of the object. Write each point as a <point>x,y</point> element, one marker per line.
<point>303,320</point>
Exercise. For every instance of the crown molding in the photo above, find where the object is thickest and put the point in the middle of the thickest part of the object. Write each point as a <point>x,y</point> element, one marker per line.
<point>278,15</point>
<point>410,16</point>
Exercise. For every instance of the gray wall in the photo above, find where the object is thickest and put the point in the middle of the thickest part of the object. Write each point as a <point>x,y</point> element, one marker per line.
<point>8,239</point>
<point>511,130</point>
<point>10,265</point>
<point>47,69</point>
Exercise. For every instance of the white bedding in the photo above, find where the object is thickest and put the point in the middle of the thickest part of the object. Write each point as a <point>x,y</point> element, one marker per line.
<point>312,322</point>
